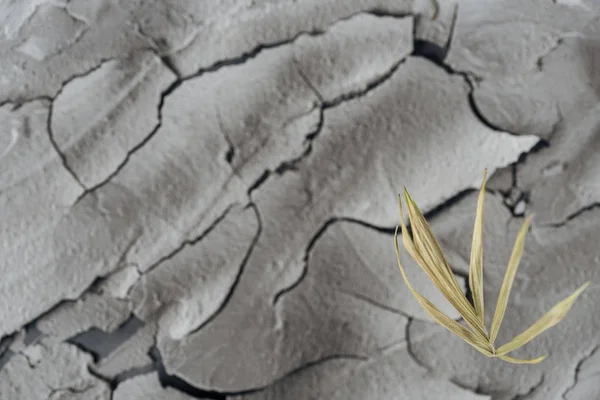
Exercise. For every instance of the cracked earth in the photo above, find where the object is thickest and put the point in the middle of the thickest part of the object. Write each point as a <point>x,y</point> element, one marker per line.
<point>198,198</point>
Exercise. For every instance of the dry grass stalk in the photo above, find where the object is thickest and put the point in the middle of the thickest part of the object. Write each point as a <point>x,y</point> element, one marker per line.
<point>425,250</point>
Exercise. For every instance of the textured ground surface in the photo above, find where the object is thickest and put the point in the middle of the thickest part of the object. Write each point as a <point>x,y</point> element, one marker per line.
<point>197,199</point>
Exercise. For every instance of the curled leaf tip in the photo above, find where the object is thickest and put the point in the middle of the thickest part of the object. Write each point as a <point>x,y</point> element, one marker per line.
<point>426,251</point>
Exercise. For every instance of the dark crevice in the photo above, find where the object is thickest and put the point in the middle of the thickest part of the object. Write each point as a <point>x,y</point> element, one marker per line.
<point>172,381</point>
<point>261,179</point>
<point>374,303</point>
<point>112,384</point>
<point>308,82</point>
<point>181,385</point>
<point>141,144</point>
<point>515,194</point>
<point>322,360</point>
<point>304,272</point>
<point>5,357</point>
<point>213,68</point>
<point>574,215</point>
<point>230,154</point>
<point>477,390</point>
<point>539,65</point>
<point>431,51</point>
<point>532,390</point>
<point>84,349</point>
<point>62,155</point>
<point>240,273</point>
<point>100,343</point>
<point>514,172</point>
<point>539,146</point>
<point>380,12</point>
<point>96,67</point>
<point>387,230</point>
<point>64,84</point>
<point>578,370</point>
<point>253,53</point>
<point>191,242</point>
<point>468,292</point>
<point>514,198</point>
<point>168,62</point>
<point>242,59</point>
<point>436,54</point>
<point>380,229</point>
<point>376,83</point>
<point>132,373</point>
<point>32,334</point>
<point>448,203</point>
<point>292,165</point>
<point>409,347</point>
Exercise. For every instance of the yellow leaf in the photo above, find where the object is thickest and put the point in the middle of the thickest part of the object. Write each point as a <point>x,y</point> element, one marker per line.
<point>476,266</point>
<point>430,252</point>
<point>551,318</point>
<point>509,277</point>
<point>440,317</point>
<point>519,361</point>
<point>426,251</point>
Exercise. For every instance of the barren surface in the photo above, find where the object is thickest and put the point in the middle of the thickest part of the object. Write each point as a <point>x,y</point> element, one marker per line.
<point>198,198</point>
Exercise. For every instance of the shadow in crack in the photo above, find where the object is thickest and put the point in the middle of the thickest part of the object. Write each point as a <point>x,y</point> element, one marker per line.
<point>167,380</point>
<point>100,344</point>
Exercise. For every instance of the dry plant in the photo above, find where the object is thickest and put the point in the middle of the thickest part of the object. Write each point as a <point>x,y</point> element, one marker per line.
<point>425,250</point>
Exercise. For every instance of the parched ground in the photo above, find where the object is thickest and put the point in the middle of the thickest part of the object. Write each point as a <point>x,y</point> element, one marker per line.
<point>197,198</point>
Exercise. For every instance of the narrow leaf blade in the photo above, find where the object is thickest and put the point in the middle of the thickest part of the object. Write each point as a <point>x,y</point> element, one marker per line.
<point>551,318</point>
<point>509,277</point>
<point>430,251</point>
<point>439,316</point>
<point>476,264</point>
<point>520,361</point>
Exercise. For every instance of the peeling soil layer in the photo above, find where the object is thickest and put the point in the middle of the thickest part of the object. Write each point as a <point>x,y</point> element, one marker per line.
<point>198,199</point>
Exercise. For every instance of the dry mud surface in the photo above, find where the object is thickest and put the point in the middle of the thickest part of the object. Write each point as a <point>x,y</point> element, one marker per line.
<point>197,199</point>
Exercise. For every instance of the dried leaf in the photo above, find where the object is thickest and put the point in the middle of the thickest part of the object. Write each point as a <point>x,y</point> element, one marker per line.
<point>439,316</point>
<point>551,318</point>
<point>430,251</point>
<point>476,266</point>
<point>426,251</point>
<point>509,277</point>
<point>519,361</point>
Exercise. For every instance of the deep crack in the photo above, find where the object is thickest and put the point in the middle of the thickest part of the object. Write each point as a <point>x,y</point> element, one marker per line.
<point>177,383</point>
<point>100,343</point>
<point>531,390</point>
<point>57,149</point>
<point>574,215</point>
<point>172,381</point>
<point>189,242</point>
<point>390,231</point>
<point>138,146</point>
<point>409,348</point>
<point>374,303</point>
<point>282,292</point>
<point>292,165</point>
<point>577,370</point>
<point>62,156</point>
<point>240,272</point>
